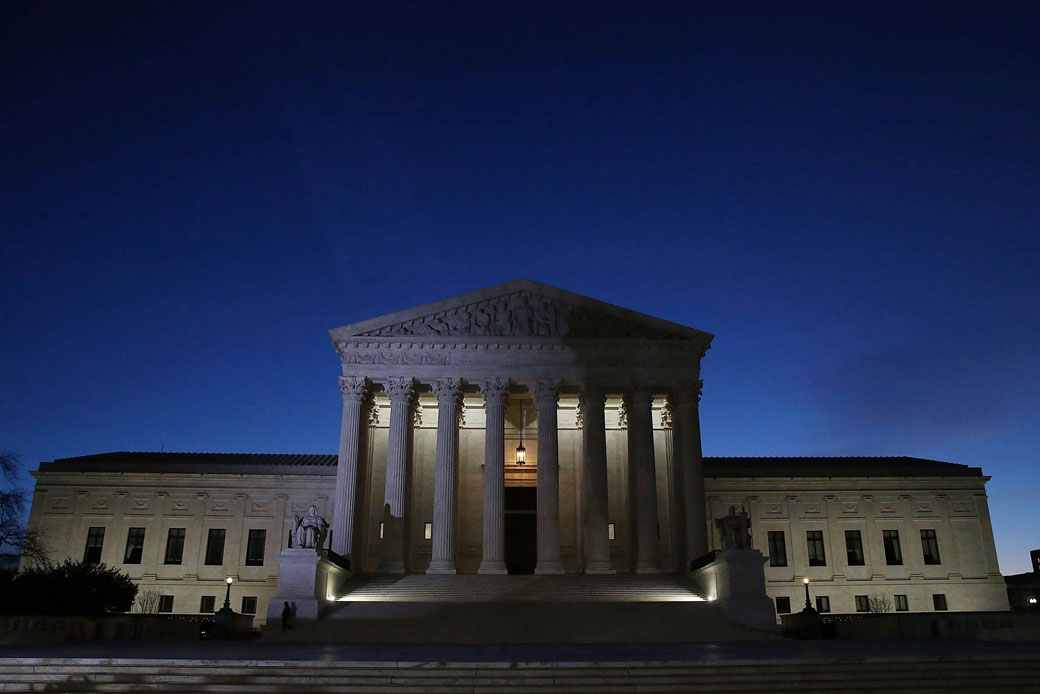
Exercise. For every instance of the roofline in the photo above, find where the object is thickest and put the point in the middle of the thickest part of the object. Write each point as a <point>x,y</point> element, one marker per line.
<point>122,461</point>
<point>353,329</point>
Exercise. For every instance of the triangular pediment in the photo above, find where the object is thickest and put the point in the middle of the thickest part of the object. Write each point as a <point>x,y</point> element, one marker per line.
<point>520,309</point>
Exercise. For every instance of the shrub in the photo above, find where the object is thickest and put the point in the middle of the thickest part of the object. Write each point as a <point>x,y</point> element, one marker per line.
<point>70,588</point>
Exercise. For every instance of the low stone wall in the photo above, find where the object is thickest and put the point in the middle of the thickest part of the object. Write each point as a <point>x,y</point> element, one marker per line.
<point>26,629</point>
<point>919,625</point>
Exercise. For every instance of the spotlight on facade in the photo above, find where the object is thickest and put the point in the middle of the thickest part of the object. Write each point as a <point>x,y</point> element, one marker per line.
<point>1032,601</point>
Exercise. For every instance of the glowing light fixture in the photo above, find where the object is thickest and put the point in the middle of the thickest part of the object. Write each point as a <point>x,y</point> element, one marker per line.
<point>226,610</point>
<point>521,452</point>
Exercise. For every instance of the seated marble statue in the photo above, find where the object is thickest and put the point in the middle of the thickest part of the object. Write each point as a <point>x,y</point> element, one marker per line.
<point>308,532</point>
<point>734,530</point>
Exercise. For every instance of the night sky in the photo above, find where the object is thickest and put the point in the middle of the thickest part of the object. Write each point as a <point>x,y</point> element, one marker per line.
<point>846,194</point>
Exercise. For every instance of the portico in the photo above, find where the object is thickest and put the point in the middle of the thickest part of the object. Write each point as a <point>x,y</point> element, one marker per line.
<point>482,352</point>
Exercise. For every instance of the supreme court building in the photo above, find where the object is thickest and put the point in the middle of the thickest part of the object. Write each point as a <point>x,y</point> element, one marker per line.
<point>523,429</point>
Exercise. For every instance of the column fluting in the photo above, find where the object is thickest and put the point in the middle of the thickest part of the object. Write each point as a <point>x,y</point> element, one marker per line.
<point>687,428</point>
<point>496,392</point>
<point>353,389</point>
<point>594,446</point>
<point>546,397</point>
<point>641,456</point>
<point>445,480</point>
<point>392,552</point>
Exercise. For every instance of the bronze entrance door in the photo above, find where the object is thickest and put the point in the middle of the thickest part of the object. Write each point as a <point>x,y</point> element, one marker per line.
<point>521,529</point>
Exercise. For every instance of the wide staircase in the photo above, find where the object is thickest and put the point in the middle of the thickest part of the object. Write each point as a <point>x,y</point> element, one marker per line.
<point>966,674</point>
<point>519,609</point>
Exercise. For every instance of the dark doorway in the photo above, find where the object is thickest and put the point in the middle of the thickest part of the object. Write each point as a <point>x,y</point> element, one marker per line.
<point>521,529</point>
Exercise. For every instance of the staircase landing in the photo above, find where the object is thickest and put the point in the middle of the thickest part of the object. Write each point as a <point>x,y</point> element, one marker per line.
<point>565,588</point>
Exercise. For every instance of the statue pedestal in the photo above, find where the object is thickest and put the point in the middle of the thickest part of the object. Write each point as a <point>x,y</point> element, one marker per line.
<point>297,573</point>
<point>736,582</point>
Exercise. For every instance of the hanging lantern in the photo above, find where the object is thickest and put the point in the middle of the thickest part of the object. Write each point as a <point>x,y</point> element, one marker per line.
<point>521,452</point>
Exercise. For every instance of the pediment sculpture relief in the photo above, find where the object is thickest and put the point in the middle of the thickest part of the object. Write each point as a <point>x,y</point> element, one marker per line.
<point>520,314</point>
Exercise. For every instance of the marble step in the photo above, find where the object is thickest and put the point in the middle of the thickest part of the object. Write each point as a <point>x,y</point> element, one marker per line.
<point>921,675</point>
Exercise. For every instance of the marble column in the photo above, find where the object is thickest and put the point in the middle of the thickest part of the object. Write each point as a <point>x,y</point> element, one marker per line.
<point>594,446</point>
<point>687,430</point>
<point>354,389</point>
<point>445,477</point>
<point>641,457</point>
<point>495,391</point>
<point>546,397</point>
<point>392,552</point>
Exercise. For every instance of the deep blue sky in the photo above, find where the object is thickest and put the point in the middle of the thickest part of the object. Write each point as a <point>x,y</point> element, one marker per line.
<point>846,194</point>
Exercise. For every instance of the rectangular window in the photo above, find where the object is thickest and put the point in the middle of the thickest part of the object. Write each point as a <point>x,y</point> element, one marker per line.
<point>939,602</point>
<point>174,546</point>
<point>893,554</point>
<point>166,603</point>
<point>823,603</point>
<point>854,547</point>
<point>255,547</point>
<point>783,605</point>
<point>382,525</point>
<point>930,545</point>
<point>814,541</point>
<point>92,552</point>
<point>215,547</point>
<point>777,548</point>
<point>208,604</point>
<point>610,532</point>
<point>248,605</point>
<point>134,546</point>
<point>427,531</point>
<point>902,605</point>
<point>862,603</point>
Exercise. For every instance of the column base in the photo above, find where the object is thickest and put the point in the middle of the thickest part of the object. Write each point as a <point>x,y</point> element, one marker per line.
<point>600,568</point>
<point>548,568</point>
<point>442,567</point>
<point>492,567</point>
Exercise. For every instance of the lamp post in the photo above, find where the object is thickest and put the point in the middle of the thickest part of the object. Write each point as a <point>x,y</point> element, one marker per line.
<point>223,625</point>
<point>809,609</point>
<point>226,610</point>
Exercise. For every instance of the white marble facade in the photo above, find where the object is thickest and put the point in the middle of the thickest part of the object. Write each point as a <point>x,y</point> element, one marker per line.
<point>433,402</point>
<point>517,345</point>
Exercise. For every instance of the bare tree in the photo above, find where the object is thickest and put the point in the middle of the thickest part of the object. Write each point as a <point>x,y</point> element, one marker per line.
<point>879,604</point>
<point>147,602</point>
<point>13,501</point>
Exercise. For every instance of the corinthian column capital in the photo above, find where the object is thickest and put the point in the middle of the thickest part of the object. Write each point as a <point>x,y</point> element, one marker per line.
<point>640,396</point>
<point>495,389</point>
<point>546,393</point>
<point>353,387</point>
<point>592,394</point>
<point>447,389</point>
<point>687,392</point>
<point>400,388</point>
